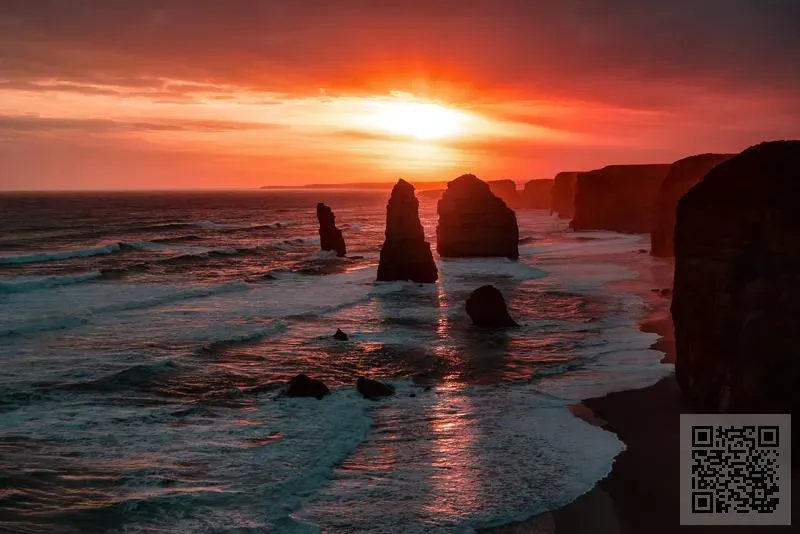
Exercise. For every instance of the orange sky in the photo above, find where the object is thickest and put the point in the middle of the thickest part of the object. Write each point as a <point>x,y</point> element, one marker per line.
<point>173,94</point>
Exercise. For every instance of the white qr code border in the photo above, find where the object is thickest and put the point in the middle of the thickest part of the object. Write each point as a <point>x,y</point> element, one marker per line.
<point>744,481</point>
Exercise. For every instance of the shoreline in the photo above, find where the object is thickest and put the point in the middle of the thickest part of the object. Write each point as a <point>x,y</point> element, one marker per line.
<point>641,492</point>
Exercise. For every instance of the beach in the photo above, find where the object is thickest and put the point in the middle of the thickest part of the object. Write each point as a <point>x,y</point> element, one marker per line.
<point>641,494</point>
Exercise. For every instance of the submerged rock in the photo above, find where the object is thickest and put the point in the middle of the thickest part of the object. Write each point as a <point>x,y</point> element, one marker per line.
<point>538,194</point>
<point>330,237</point>
<point>620,198</point>
<point>563,196</point>
<point>487,307</point>
<point>405,254</point>
<point>473,222</point>
<point>737,284</point>
<point>304,386</point>
<point>372,389</point>
<point>683,175</point>
<point>340,336</point>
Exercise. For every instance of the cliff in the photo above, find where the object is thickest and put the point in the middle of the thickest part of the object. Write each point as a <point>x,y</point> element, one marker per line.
<point>563,195</point>
<point>537,194</point>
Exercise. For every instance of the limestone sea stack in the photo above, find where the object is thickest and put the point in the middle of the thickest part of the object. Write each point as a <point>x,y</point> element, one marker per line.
<point>330,237</point>
<point>405,254</point>
<point>737,284</point>
<point>537,194</point>
<point>487,307</point>
<point>620,198</point>
<point>683,174</point>
<point>473,222</point>
<point>563,196</point>
<point>505,190</point>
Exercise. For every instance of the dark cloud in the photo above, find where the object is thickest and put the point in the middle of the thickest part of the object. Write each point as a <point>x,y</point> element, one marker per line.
<point>20,124</point>
<point>587,48</point>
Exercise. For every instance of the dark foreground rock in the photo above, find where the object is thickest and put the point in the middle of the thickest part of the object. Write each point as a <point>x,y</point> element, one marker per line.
<point>506,190</point>
<point>473,222</point>
<point>372,389</point>
<point>487,307</point>
<point>736,292</point>
<point>620,198</point>
<point>304,386</point>
<point>330,237</point>
<point>405,254</point>
<point>340,336</point>
<point>563,196</point>
<point>682,176</point>
<point>537,194</point>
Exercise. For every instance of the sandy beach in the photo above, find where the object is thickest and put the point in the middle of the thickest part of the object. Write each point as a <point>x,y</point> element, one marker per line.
<point>641,494</point>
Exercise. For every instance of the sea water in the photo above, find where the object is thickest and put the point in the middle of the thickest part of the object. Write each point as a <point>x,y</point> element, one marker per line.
<point>144,338</point>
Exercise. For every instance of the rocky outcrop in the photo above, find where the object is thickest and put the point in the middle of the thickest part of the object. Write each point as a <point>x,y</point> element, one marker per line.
<point>405,254</point>
<point>563,196</point>
<point>620,198</point>
<point>372,389</point>
<point>304,386</point>
<point>330,237</point>
<point>682,176</point>
<point>537,194</point>
<point>487,307</point>
<point>473,222</point>
<point>506,190</point>
<point>340,336</point>
<point>737,284</point>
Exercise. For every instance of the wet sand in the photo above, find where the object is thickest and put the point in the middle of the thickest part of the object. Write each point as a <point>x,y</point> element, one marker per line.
<point>641,494</point>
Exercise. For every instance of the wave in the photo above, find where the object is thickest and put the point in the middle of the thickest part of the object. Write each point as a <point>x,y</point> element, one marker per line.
<point>267,330</point>
<point>25,284</point>
<point>65,322</point>
<point>145,377</point>
<point>213,225</point>
<point>61,255</point>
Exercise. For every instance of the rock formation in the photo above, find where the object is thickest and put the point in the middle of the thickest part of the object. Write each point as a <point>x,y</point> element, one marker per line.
<point>683,174</point>
<point>537,194</point>
<point>473,222</point>
<point>405,254</point>
<point>330,237</point>
<point>372,389</point>
<point>506,190</point>
<point>303,386</point>
<point>737,284</point>
<point>563,196</point>
<point>487,307</point>
<point>340,336</point>
<point>620,198</point>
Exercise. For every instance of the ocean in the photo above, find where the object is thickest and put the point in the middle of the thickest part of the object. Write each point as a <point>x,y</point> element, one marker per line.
<point>144,339</point>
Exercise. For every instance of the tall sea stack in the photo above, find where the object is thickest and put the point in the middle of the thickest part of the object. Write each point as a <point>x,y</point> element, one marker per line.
<point>405,254</point>
<point>473,222</point>
<point>537,194</point>
<point>737,284</point>
<point>330,237</point>
<point>683,174</point>
<point>620,198</point>
<point>563,196</point>
<point>505,190</point>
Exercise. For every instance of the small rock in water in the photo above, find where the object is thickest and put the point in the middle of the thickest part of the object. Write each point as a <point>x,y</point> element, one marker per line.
<point>304,386</point>
<point>486,307</point>
<point>643,251</point>
<point>373,389</point>
<point>666,292</point>
<point>339,335</point>
<point>412,394</point>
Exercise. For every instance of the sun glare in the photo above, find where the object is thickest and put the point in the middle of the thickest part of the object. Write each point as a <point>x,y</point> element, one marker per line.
<point>417,119</point>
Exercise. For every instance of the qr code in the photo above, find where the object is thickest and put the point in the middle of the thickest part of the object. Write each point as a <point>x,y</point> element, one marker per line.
<point>735,469</point>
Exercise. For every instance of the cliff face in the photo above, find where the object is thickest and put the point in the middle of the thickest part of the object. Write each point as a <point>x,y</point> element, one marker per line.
<point>330,237</point>
<point>405,254</point>
<point>620,198</point>
<point>537,194</point>
<point>474,222</point>
<point>563,196</point>
<point>737,283</point>
<point>506,190</point>
<point>682,176</point>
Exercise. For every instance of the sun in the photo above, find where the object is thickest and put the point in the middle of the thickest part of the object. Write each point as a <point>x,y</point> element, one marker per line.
<point>420,120</point>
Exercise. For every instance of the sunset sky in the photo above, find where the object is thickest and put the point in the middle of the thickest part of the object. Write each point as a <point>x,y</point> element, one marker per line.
<point>121,94</point>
